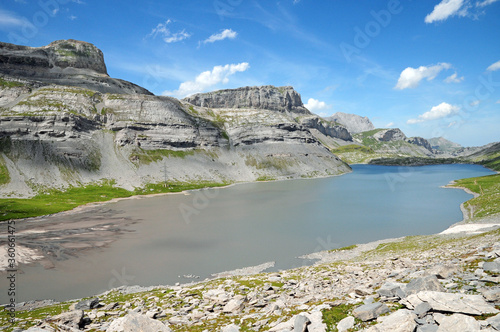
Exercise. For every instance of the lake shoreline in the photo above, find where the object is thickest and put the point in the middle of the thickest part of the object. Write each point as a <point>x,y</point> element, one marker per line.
<point>236,271</point>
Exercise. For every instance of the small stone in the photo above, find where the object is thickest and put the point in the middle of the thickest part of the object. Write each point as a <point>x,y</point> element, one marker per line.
<point>345,324</point>
<point>87,304</point>
<point>422,309</point>
<point>300,323</point>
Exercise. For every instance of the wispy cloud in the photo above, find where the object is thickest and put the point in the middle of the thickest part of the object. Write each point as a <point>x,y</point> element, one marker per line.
<point>315,105</point>
<point>411,77</point>
<point>445,9</point>
<point>168,36</point>
<point>449,8</point>
<point>495,66</point>
<point>454,78</point>
<point>225,34</point>
<point>10,20</point>
<point>485,3</point>
<point>437,112</point>
<point>208,79</point>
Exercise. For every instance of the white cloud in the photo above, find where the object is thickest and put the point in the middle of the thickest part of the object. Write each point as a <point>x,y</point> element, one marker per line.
<point>390,124</point>
<point>208,79</point>
<point>437,112</point>
<point>475,103</point>
<point>72,17</point>
<point>445,9</point>
<point>454,79</point>
<point>168,37</point>
<point>411,77</point>
<point>498,101</point>
<point>315,105</point>
<point>485,3</point>
<point>226,34</point>
<point>495,66</point>
<point>10,20</point>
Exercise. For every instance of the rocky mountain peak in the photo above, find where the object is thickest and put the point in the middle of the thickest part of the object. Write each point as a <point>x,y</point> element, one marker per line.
<point>76,54</point>
<point>354,123</point>
<point>63,62</point>
<point>268,97</point>
<point>389,135</point>
<point>57,56</point>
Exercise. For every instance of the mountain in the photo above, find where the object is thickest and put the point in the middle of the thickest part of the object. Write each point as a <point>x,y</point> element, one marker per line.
<point>354,123</point>
<point>63,62</point>
<point>443,145</point>
<point>64,122</point>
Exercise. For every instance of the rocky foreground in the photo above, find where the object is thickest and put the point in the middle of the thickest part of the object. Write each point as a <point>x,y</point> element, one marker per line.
<point>426,283</point>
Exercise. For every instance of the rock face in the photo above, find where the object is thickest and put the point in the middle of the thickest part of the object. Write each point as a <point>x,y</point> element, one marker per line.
<point>326,128</point>
<point>64,122</point>
<point>444,145</point>
<point>66,62</point>
<point>282,99</point>
<point>354,123</point>
<point>390,135</point>
<point>420,142</point>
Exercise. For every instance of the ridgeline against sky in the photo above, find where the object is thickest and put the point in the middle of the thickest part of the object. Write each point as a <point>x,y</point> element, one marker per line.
<point>431,68</point>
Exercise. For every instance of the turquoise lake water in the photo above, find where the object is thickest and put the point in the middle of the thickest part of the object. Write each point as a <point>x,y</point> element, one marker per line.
<point>216,230</point>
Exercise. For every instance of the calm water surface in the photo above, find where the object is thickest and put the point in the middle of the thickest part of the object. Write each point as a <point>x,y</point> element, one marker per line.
<point>244,225</point>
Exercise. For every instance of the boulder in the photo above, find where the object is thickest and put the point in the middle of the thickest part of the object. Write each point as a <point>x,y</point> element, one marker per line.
<point>402,320</point>
<point>234,305</point>
<point>370,311</point>
<point>300,323</point>
<point>87,304</point>
<point>231,328</point>
<point>392,289</point>
<point>491,294</point>
<point>451,302</point>
<point>428,283</point>
<point>427,328</point>
<point>133,322</point>
<point>494,322</point>
<point>493,267</point>
<point>71,319</point>
<point>458,322</point>
<point>345,324</point>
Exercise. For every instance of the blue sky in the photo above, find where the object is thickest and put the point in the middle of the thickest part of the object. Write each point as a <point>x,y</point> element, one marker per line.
<point>431,68</point>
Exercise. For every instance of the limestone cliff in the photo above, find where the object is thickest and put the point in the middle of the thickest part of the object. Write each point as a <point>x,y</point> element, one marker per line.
<point>64,62</point>
<point>282,99</point>
<point>354,123</point>
<point>60,126</point>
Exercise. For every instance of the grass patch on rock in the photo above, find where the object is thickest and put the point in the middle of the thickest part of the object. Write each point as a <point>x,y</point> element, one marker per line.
<point>9,84</point>
<point>4,172</point>
<point>150,156</point>
<point>331,317</point>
